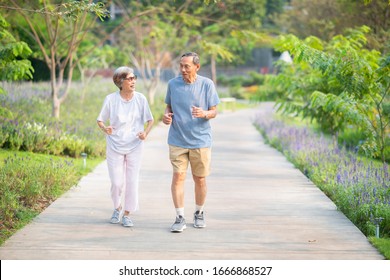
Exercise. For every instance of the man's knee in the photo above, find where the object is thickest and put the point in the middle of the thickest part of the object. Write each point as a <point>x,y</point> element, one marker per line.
<point>179,176</point>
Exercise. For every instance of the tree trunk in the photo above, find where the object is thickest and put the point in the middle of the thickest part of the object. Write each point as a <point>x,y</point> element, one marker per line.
<point>153,85</point>
<point>214,70</point>
<point>56,108</point>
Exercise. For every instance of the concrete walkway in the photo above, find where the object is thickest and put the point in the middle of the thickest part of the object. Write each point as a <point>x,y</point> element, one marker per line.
<point>259,207</point>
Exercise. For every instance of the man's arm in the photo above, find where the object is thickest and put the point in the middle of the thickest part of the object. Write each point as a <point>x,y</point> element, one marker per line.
<point>211,113</point>
<point>167,118</point>
<point>198,112</point>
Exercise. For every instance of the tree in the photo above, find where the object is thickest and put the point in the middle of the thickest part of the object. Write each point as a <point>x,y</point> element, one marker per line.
<point>155,33</point>
<point>14,64</point>
<point>327,18</point>
<point>103,59</point>
<point>230,29</point>
<point>148,38</point>
<point>227,30</point>
<point>342,84</point>
<point>64,27</point>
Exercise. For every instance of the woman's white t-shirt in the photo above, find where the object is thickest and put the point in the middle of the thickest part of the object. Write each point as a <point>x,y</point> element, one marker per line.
<point>127,119</point>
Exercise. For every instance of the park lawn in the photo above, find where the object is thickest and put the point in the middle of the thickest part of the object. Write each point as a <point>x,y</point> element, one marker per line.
<point>382,244</point>
<point>23,214</point>
<point>90,166</point>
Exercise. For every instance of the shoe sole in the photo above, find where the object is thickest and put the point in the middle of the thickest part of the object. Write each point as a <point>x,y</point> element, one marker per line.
<point>195,226</point>
<point>179,230</point>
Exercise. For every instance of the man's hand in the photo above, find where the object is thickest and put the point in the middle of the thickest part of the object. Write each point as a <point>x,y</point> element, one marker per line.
<point>198,112</point>
<point>167,118</point>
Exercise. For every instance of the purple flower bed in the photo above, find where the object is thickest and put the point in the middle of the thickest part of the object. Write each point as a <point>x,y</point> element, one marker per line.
<point>360,187</point>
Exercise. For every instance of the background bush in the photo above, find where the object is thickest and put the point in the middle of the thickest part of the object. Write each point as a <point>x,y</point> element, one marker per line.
<point>33,129</point>
<point>340,84</point>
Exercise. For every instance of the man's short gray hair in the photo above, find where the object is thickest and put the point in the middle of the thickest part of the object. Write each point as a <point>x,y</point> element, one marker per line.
<point>120,74</point>
<point>195,56</point>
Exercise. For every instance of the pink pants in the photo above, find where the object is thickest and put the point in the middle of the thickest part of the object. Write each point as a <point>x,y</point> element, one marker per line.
<point>124,173</point>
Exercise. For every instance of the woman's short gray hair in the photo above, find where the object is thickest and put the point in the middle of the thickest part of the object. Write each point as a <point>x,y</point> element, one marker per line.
<point>120,74</point>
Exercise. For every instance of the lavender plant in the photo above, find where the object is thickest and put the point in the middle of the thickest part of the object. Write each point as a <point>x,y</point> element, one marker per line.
<point>360,187</point>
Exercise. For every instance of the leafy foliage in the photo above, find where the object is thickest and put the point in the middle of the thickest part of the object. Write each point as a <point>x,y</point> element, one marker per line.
<point>14,64</point>
<point>56,37</point>
<point>326,18</point>
<point>338,84</point>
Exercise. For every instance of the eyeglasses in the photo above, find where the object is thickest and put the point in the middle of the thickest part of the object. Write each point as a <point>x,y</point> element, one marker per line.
<point>131,78</point>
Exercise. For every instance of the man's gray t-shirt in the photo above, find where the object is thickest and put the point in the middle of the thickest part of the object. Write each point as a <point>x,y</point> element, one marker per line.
<point>187,131</point>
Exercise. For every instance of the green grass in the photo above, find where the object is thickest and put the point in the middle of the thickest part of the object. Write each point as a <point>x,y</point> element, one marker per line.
<point>38,158</point>
<point>382,244</point>
<point>22,201</point>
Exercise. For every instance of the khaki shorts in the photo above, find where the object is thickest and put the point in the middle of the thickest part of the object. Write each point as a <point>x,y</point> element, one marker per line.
<point>198,158</point>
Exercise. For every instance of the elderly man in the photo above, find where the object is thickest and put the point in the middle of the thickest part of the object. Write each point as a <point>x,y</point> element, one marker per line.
<point>191,102</point>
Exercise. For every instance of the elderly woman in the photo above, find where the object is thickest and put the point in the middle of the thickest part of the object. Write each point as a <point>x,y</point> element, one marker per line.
<point>122,118</point>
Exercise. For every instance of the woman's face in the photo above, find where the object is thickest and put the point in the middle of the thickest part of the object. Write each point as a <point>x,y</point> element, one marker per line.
<point>129,82</point>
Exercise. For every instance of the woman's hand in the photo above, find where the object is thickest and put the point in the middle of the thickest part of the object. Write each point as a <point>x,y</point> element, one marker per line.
<point>108,130</point>
<point>142,135</point>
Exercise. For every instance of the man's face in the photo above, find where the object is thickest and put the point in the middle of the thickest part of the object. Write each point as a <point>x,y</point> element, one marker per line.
<point>187,68</point>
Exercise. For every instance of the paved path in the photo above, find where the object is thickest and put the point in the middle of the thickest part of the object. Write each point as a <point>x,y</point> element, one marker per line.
<point>259,207</point>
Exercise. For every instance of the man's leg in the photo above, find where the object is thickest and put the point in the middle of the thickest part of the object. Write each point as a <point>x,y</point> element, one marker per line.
<point>177,189</point>
<point>200,190</point>
<point>200,199</point>
<point>200,165</point>
<point>179,161</point>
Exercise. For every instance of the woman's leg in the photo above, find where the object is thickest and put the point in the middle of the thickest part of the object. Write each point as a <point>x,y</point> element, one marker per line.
<point>133,165</point>
<point>116,164</point>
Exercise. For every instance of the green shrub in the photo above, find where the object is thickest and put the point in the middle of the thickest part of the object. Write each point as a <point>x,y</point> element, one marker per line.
<point>338,83</point>
<point>74,146</point>
<point>28,184</point>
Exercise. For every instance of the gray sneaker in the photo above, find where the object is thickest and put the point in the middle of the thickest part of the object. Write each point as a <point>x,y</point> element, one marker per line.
<point>179,225</point>
<point>115,217</point>
<point>126,221</point>
<point>199,220</point>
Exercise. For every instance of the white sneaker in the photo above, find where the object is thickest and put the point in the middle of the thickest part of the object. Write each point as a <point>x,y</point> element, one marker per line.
<point>179,225</point>
<point>127,222</point>
<point>199,220</point>
<point>115,218</point>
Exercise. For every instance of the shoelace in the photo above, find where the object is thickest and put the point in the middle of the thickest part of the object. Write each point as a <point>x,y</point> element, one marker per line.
<point>199,216</point>
<point>126,220</point>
